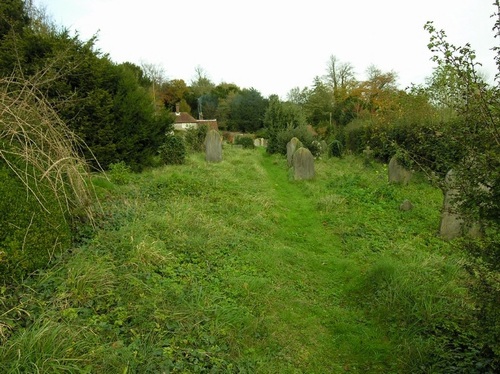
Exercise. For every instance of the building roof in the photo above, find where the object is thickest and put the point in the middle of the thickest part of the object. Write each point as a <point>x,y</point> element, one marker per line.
<point>184,117</point>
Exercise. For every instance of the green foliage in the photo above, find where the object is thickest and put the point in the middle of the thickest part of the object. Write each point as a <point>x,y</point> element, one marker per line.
<point>173,150</point>
<point>284,136</point>
<point>105,104</point>
<point>247,111</point>
<point>30,236</point>
<point>47,347</point>
<point>245,141</point>
<point>335,148</point>
<point>283,121</point>
<point>119,173</point>
<point>13,17</point>
<point>167,283</point>
<point>431,147</point>
<point>195,138</point>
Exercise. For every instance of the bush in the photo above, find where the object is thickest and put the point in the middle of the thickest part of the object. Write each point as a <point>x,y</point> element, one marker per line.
<point>195,137</point>
<point>30,236</point>
<point>335,148</point>
<point>278,144</point>
<point>173,151</point>
<point>423,146</point>
<point>119,173</point>
<point>245,141</point>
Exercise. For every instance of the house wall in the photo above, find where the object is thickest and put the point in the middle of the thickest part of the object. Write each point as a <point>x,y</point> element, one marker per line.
<point>185,126</point>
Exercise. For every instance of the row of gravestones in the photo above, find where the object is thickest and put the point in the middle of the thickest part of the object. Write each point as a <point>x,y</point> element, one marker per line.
<point>300,159</point>
<point>452,223</point>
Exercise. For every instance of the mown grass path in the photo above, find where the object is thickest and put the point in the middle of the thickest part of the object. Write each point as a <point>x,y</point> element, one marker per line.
<point>318,332</point>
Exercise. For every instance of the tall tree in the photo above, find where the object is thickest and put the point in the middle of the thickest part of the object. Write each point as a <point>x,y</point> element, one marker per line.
<point>247,111</point>
<point>298,96</point>
<point>339,75</point>
<point>157,76</point>
<point>173,92</point>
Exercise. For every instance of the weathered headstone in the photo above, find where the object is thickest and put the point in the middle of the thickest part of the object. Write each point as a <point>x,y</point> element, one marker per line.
<point>367,156</point>
<point>324,147</point>
<point>213,146</point>
<point>303,164</point>
<point>452,223</point>
<point>397,173</point>
<point>259,142</point>
<point>291,148</point>
<point>406,206</point>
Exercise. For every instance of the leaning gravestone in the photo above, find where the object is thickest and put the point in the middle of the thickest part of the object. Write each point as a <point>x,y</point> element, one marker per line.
<point>213,146</point>
<point>452,223</point>
<point>397,173</point>
<point>303,164</point>
<point>291,148</point>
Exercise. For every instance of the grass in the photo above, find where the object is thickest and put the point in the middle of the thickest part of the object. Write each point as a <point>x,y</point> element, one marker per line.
<point>232,267</point>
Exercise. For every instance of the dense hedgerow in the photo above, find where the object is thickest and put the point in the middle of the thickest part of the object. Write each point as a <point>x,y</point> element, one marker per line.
<point>173,151</point>
<point>30,236</point>
<point>245,141</point>
<point>423,146</point>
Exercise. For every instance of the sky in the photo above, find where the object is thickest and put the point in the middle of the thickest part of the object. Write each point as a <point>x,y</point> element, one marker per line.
<point>274,46</point>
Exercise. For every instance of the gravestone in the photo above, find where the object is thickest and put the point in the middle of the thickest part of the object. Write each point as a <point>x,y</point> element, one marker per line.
<point>452,223</point>
<point>213,146</point>
<point>397,173</point>
<point>303,164</point>
<point>406,206</point>
<point>291,147</point>
<point>324,147</point>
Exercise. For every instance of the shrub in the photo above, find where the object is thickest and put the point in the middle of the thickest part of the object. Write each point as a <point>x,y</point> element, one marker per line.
<point>335,148</point>
<point>119,173</point>
<point>173,151</point>
<point>30,236</point>
<point>195,137</point>
<point>278,144</point>
<point>245,141</point>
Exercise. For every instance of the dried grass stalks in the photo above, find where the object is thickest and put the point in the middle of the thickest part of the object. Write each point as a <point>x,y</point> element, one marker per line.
<point>40,149</point>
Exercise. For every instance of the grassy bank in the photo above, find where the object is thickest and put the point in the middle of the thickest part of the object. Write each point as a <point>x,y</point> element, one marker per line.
<point>232,267</point>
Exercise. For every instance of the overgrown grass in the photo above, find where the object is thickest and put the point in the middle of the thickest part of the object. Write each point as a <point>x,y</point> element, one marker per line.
<point>231,267</point>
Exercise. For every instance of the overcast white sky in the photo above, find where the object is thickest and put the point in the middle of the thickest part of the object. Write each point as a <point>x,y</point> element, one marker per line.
<point>274,46</point>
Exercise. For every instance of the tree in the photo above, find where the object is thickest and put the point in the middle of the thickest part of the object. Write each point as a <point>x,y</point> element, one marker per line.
<point>173,92</point>
<point>298,96</point>
<point>280,119</point>
<point>247,111</point>
<point>340,76</point>
<point>156,75</point>
<point>13,17</point>
<point>319,106</point>
<point>476,128</point>
<point>477,105</point>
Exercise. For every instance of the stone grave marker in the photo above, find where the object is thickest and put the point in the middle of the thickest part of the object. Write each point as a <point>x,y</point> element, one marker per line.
<point>452,224</point>
<point>303,164</point>
<point>291,148</point>
<point>406,206</point>
<point>397,173</point>
<point>213,146</point>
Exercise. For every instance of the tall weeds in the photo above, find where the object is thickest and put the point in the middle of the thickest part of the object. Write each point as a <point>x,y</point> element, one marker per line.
<point>39,148</point>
